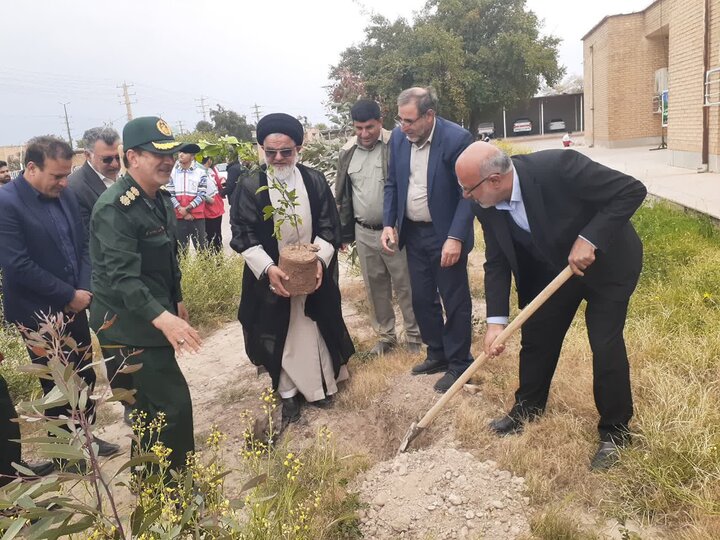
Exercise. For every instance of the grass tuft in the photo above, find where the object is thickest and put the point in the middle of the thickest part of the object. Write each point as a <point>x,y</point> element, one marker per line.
<point>211,285</point>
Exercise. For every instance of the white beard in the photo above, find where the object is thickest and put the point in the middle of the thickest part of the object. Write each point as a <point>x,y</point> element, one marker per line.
<point>283,173</point>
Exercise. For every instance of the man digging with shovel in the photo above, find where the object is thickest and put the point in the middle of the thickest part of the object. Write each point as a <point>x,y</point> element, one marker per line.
<point>536,209</point>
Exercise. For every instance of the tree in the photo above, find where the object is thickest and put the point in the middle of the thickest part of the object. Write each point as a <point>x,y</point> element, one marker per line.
<point>572,84</point>
<point>227,122</point>
<point>478,55</point>
<point>204,126</point>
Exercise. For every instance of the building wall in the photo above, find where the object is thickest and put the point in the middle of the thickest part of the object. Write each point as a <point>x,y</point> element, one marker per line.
<point>621,70</point>
<point>687,78</point>
<point>621,56</point>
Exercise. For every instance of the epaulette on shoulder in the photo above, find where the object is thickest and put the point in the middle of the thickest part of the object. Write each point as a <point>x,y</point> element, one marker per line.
<point>131,195</point>
<point>164,191</point>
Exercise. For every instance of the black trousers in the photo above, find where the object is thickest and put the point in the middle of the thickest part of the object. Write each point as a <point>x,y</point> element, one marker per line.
<point>9,450</point>
<point>213,231</point>
<point>541,342</point>
<point>448,338</point>
<point>77,328</point>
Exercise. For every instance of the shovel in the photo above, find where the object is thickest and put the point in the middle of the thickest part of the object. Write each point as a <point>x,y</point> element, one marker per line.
<point>417,427</point>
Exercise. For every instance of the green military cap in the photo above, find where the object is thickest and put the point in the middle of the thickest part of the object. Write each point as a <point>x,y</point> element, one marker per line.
<point>152,133</point>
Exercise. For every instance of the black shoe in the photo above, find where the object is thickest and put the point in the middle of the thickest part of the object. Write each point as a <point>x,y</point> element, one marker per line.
<point>445,382</point>
<point>290,410</point>
<point>606,456</point>
<point>507,425</point>
<point>38,468</point>
<point>105,448</point>
<point>324,403</point>
<point>429,366</point>
<point>75,467</point>
<point>381,348</point>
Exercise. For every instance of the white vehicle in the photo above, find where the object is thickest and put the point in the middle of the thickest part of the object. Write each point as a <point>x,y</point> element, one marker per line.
<point>522,125</point>
<point>556,124</point>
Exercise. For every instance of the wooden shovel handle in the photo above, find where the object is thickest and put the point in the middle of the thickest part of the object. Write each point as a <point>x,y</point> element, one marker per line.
<point>517,322</point>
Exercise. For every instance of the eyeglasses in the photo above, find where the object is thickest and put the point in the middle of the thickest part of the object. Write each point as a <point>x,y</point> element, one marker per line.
<point>109,159</point>
<point>404,122</point>
<point>284,152</point>
<point>468,191</point>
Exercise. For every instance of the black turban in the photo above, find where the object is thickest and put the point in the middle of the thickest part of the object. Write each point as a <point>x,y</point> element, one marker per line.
<point>280,123</point>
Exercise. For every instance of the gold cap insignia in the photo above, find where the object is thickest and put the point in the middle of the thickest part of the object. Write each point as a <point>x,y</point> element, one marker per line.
<point>124,200</point>
<point>166,146</point>
<point>135,191</point>
<point>164,128</point>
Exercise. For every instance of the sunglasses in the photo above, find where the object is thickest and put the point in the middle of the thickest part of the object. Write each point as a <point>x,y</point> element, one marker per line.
<point>284,152</point>
<point>109,159</point>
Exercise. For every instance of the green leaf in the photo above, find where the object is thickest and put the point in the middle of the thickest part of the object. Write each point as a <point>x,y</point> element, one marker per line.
<point>63,451</point>
<point>150,518</point>
<point>136,520</point>
<point>130,368</point>
<point>122,394</point>
<point>14,529</point>
<point>140,459</point>
<point>254,482</point>
<point>261,189</point>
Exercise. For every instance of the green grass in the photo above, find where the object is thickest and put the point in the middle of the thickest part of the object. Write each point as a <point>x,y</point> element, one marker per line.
<point>21,385</point>
<point>211,284</point>
<point>672,472</point>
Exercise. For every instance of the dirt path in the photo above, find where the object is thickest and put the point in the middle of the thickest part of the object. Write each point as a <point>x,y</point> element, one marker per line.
<point>436,491</point>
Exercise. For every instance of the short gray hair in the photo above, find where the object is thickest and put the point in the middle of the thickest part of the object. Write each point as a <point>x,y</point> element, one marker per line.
<point>423,98</point>
<point>499,162</point>
<point>107,134</point>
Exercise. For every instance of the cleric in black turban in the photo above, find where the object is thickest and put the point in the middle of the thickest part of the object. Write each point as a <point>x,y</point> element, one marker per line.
<point>280,123</point>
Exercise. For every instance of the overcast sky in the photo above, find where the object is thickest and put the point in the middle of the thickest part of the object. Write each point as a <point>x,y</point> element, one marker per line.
<point>274,54</point>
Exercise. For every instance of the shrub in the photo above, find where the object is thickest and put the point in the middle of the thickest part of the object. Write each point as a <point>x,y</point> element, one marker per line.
<point>211,284</point>
<point>22,385</point>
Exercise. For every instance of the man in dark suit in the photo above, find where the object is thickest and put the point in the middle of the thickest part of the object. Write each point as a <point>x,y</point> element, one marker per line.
<point>100,170</point>
<point>44,256</point>
<point>424,211</point>
<point>540,212</point>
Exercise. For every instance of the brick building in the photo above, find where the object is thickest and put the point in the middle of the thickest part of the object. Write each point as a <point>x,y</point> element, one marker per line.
<point>670,51</point>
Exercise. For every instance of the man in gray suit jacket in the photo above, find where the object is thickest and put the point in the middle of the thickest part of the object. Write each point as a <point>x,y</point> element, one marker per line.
<point>100,171</point>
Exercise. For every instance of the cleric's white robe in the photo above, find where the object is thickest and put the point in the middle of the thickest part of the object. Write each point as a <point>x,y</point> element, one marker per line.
<point>306,361</point>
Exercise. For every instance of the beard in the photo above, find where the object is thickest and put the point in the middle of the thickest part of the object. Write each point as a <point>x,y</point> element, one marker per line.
<point>284,172</point>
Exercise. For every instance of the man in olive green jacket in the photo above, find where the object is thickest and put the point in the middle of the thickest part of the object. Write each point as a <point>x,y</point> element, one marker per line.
<point>362,170</point>
<point>136,283</point>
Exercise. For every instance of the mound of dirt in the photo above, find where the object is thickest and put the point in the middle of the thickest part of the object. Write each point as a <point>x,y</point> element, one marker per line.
<point>441,492</point>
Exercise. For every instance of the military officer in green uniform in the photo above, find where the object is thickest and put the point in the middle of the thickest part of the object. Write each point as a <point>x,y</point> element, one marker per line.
<point>136,281</point>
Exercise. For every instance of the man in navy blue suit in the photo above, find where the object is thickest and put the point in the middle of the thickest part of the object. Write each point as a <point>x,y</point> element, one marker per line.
<point>424,211</point>
<point>44,255</point>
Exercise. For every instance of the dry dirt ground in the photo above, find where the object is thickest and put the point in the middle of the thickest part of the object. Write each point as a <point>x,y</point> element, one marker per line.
<point>441,489</point>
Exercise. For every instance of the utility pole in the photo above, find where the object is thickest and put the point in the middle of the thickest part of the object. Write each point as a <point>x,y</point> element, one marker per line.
<point>257,113</point>
<point>67,123</point>
<point>126,99</point>
<point>202,108</point>
<point>180,127</point>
